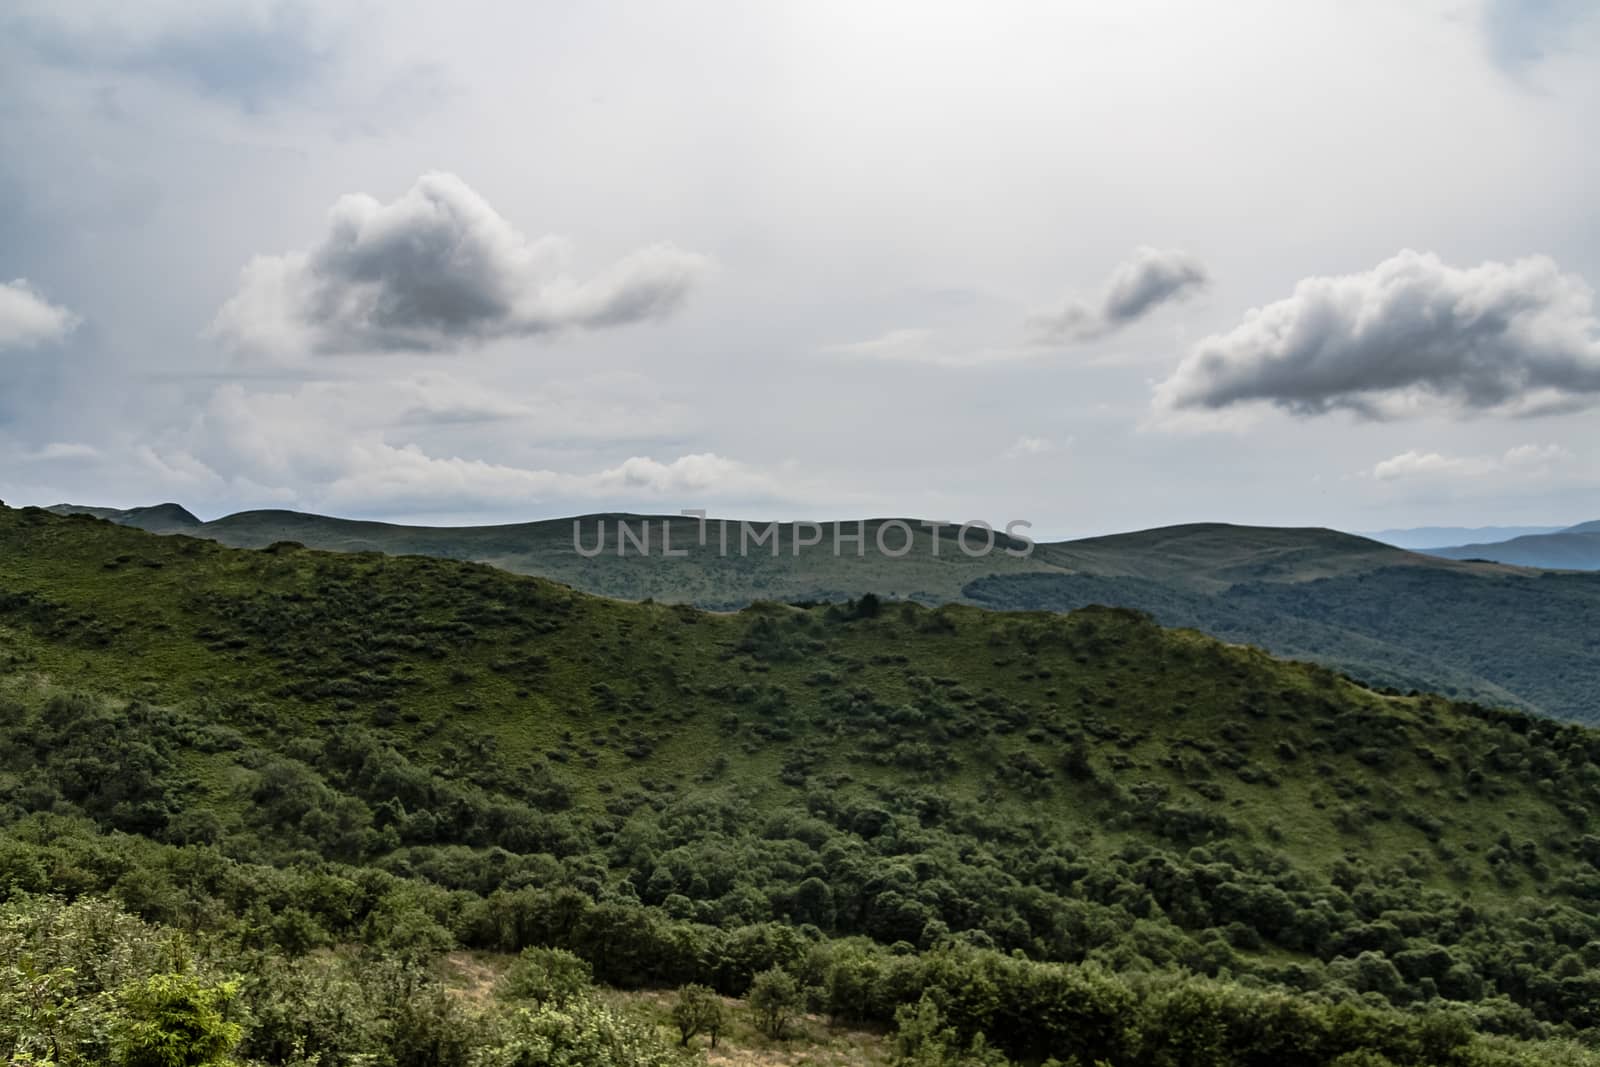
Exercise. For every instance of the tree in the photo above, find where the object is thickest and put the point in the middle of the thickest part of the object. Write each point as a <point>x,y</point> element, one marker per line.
<point>173,1020</point>
<point>697,1011</point>
<point>775,999</point>
<point>923,1040</point>
<point>548,976</point>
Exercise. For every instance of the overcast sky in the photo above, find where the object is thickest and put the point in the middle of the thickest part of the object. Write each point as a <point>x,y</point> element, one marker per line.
<point>1097,266</point>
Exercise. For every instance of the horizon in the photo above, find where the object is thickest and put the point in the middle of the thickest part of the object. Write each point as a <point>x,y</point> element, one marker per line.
<point>1034,534</point>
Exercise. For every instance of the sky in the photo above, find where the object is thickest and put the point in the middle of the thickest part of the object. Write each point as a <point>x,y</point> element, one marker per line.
<point>1094,266</point>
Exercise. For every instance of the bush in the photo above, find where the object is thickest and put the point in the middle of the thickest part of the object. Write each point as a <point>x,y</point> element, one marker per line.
<point>578,1034</point>
<point>547,976</point>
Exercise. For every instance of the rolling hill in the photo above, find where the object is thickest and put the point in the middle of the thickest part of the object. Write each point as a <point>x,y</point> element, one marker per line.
<point>1079,834</point>
<point>1474,630</point>
<point>1574,548</point>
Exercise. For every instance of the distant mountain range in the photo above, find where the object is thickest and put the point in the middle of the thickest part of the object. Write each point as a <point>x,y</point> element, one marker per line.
<point>1574,548</point>
<point>1423,538</point>
<point>1477,630</point>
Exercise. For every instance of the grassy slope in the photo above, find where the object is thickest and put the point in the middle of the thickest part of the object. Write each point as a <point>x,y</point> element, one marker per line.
<point>297,642</point>
<point>1477,631</point>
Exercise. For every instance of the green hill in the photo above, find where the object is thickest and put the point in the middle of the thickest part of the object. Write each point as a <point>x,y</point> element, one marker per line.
<point>1472,630</point>
<point>1078,834</point>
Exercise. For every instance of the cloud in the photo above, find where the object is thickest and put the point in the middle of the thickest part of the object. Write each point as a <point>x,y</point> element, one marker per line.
<point>931,347</point>
<point>317,445</point>
<point>1411,335</point>
<point>244,53</point>
<point>1523,460</point>
<point>435,270</point>
<point>1023,447</point>
<point>28,319</point>
<point>1521,34</point>
<point>61,450</point>
<point>1150,278</point>
<point>608,407</point>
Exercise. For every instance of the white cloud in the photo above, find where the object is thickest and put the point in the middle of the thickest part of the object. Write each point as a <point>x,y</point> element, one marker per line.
<point>27,319</point>
<point>436,270</point>
<point>1523,460</point>
<point>1150,278</point>
<point>1411,335</point>
<point>292,446</point>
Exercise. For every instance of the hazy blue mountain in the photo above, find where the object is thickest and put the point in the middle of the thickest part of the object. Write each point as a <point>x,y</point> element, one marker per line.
<point>1424,538</point>
<point>1574,548</point>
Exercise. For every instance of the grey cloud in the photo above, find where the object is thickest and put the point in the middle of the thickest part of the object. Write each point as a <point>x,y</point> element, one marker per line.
<point>434,270</point>
<point>1150,278</point>
<point>1521,34</point>
<point>244,54</point>
<point>1410,334</point>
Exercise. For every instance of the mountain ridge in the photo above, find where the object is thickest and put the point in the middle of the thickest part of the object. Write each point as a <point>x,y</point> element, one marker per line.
<point>1573,548</point>
<point>1482,631</point>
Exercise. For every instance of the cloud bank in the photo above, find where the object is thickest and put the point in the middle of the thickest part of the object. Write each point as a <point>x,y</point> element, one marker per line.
<point>1410,335</point>
<point>1524,460</point>
<point>28,319</point>
<point>436,270</point>
<point>318,444</point>
<point>1150,278</point>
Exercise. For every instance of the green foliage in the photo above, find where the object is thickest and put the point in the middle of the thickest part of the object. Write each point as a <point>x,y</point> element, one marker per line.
<point>1078,836</point>
<point>547,976</point>
<point>174,1020</point>
<point>775,999</point>
<point>921,1040</point>
<point>697,1010</point>
<point>580,1033</point>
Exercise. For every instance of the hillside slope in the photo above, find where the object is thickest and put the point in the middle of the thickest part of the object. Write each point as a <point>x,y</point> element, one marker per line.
<point>1082,789</point>
<point>1478,631</point>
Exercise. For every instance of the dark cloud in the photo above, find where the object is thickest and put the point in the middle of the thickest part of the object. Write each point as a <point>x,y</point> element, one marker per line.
<point>1150,278</point>
<point>245,54</point>
<point>1413,332</point>
<point>436,269</point>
